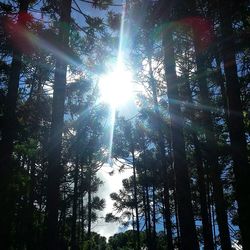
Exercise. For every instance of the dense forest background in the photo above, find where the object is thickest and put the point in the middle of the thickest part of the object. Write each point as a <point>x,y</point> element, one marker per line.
<point>186,141</point>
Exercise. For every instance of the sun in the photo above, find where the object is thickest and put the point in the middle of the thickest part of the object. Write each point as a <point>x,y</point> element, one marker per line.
<point>116,87</point>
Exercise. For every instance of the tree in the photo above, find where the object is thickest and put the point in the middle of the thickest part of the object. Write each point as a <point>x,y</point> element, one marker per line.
<point>235,121</point>
<point>9,128</point>
<point>54,156</point>
<point>186,219</point>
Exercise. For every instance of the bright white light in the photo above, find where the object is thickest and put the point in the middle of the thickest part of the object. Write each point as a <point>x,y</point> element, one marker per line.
<point>116,87</point>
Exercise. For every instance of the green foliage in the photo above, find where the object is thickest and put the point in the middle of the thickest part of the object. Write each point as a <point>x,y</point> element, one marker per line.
<point>96,242</point>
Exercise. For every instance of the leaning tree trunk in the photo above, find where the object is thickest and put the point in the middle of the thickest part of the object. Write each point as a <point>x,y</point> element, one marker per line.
<point>54,154</point>
<point>186,218</point>
<point>236,124</point>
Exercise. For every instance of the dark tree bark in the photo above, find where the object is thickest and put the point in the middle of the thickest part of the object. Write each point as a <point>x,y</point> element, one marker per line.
<point>9,134</point>
<point>30,237</point>
<point>183,192</point>
<point>74,208</point>
<point>148,211</point>
<point>235,123</point>
<point>167,215</point>
<point>9,131</point>
<point>82,208</point>
<point>89,175</point>
<point>129,134</point>
<point>201,180</point>
<point>211,154</point>
<point>154,215</point>
<point>206,222</point>
<point>146,202</point>
<point>163,158</point>
<point>146,217</point>
<point>138,245</point>
<point>177,219</point>
<point>54,156</point>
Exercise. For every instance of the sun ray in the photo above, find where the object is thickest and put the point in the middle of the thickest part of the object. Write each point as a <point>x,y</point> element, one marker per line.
<point>119,65</point>
<point>112,119</point>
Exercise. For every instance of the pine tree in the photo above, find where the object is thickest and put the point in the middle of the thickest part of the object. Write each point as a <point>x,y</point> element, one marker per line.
<point>185,212</point>
<point>54,156</point>
<point>235,121</point>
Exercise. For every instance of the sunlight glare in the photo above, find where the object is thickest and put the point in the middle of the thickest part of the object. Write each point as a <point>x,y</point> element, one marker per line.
<point>116,87</point>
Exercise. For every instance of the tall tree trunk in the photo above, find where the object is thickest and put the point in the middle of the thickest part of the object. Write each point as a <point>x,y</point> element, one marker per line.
<point>129,133</point>
<point>154,216</point>
<point>177,220</point>
<point>54,156</point>
<point>63,218</point>
<point>221,82</point>
<point>82,208</point>
<point>89,209</point>
<point>206,222</point>
<point>163,158</point>
<point>148,216</point>
<point>31,237</point>
<point>146,202</point>
<point>186,218</point>
<point>136,201</point>
<point>9,130</point>
<point>201,180</point>
<point>167,215</point>
<point>133,228</point>
<point>214,223</point>
<point>9,133</point>
<point>74,209</point>
<point>235,123</point>
<point>211,155</point>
